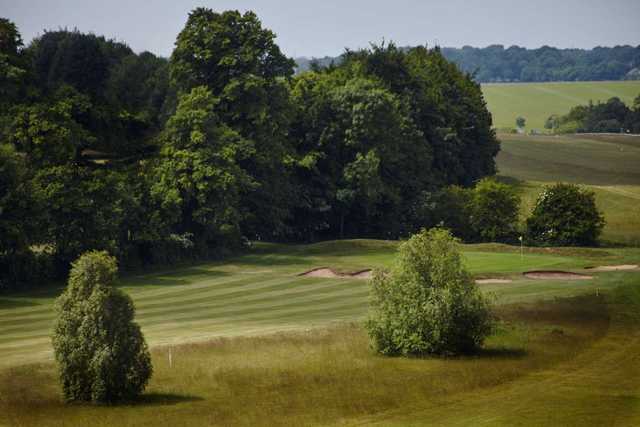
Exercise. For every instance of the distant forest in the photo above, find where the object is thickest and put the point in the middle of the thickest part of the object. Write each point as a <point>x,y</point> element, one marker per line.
<point>517,64</point>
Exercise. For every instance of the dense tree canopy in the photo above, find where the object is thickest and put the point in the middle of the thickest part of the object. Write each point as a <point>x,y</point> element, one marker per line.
<point>611,116</point>
<point>360,155</point>
<point>158,160</point>
<point>375,132</point>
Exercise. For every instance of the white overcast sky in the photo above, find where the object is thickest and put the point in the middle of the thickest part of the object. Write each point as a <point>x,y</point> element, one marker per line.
<point>318,28</point>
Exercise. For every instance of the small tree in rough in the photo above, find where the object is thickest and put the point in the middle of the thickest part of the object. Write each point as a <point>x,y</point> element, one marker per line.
<point>428,303</point>
<point>100,350</point>
<point>521,122</point>
<point>565,215</point>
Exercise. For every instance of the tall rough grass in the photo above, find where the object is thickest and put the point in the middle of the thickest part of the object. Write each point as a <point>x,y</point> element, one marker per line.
<point>321,376</point>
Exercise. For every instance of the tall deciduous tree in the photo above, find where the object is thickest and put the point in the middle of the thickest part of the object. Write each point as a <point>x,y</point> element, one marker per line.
<point>199,180</point>
<point>15,202</point>
<point>13,64</point>
<point>241,65</point>
<point>360,156</point>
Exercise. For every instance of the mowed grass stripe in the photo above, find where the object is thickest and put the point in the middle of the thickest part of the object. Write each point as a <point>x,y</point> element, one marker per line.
<point>210,309</point>
<point>350,309</point>
<point>251,287</point>
<point>249,296</point>
<point>40,349</point>
<point>139,298</point>
<point>187,298</point>
<point>234,312</point>
<point>171,290</point>
<point>336,307</point>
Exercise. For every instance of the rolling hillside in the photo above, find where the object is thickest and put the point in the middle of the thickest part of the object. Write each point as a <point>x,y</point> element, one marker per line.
<point>537,101</point>
<point>606,164</point>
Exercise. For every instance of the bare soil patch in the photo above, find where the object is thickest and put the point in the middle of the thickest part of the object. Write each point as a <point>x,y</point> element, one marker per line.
<point>328,273</point>
<point>552,275</point>
<point>622,267</point>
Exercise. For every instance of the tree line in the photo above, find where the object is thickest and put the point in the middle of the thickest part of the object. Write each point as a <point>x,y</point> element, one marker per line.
<point>518,64</point>
<point>160,160</point>
<point>613,116</point>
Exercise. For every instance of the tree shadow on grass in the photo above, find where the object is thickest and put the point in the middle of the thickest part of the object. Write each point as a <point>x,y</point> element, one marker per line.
<point>185,276</point>
<point>500,353</point>
<point>6,303</point>
<point>509,180</point>
<point>163,399</point>
<point>483,353</point>
<point>258,260</point>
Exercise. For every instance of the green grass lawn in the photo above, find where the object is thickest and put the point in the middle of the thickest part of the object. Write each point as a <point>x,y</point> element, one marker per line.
<point>254,294</point>
<point>560,344</point>
<point>537,101</point>
<point>610,165</point>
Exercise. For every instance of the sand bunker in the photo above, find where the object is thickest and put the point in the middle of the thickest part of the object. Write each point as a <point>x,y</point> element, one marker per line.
<point>622,267</point>
<point>489,281</point>
<point>551,275</point>
<point>328,273</point>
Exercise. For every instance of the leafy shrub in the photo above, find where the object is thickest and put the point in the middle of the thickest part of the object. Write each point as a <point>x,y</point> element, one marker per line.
<point>428,303</point>
<point>486,213</point>
<point>568,127</point>
<point>565,215</point>
<point>101,352</point>
<point>494,211</point>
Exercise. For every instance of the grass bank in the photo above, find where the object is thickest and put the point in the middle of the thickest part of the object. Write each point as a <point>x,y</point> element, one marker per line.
<point>570,361</point>
<point>606,164</point>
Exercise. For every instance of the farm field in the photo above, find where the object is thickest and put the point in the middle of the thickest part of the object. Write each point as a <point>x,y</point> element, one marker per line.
<point>303,375</point>
<point>606,164</point>
<point>537,101</point>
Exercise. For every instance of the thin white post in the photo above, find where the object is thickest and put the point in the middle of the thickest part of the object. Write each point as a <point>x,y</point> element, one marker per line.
<point>521,249</point>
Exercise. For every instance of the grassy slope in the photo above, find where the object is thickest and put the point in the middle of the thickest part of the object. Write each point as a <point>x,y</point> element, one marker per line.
<point>598,385</point>
<point>570,361</point>
<point>609,165</point>
<point>537,101</point>
<point>261,293</point>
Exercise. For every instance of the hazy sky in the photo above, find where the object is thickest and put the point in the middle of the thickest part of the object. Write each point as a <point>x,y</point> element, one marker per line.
<point>325,27</point>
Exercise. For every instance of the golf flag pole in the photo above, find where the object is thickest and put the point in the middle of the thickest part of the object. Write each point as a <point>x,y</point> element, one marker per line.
<point>521,249</point>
